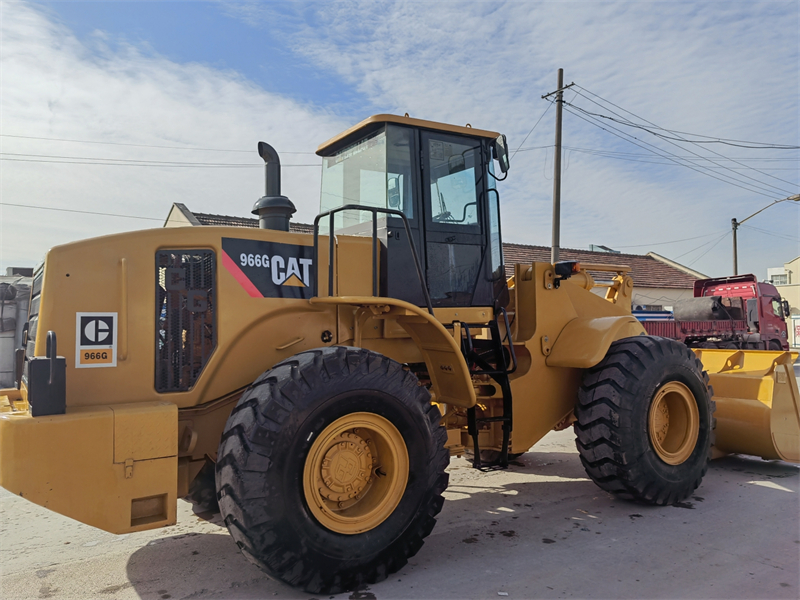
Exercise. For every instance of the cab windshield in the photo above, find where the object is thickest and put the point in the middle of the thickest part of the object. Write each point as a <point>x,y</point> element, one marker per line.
<point>375,171</point>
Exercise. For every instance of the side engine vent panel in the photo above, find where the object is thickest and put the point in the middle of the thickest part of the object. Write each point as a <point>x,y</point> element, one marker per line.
<point>186,332</point>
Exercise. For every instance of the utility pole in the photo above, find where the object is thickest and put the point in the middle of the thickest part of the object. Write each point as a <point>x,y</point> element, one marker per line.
<point>735,225</point>
<point>554,251</point>
<point>557,174</point>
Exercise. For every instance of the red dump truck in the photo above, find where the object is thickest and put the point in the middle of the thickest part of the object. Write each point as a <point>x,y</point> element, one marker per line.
<point>729,312</point>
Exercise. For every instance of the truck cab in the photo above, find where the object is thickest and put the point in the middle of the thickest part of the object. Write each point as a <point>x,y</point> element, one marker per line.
<point>759,303</point>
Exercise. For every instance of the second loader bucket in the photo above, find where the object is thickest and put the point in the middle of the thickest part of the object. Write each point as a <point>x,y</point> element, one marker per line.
<point>758,403</point>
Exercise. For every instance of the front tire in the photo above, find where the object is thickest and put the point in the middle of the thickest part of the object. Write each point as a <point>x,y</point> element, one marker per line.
<point>645,420</point>
<point>775,345</point>
<point>331,469</point>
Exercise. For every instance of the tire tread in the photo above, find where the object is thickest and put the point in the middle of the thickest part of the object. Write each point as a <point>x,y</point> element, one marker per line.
<point>247,445</point>
<point>604,413</point>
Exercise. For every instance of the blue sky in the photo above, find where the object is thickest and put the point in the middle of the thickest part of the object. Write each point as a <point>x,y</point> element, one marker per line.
<point>212,75</point>
<point>207,33</point>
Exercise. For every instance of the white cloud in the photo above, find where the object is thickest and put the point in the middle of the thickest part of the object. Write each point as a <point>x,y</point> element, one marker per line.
<point>55,86</point>
<point>727,69</point>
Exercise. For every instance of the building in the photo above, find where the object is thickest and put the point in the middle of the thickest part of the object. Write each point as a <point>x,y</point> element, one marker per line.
<point>786,280</point>
<point>777,276</point>
<point>658,281</point>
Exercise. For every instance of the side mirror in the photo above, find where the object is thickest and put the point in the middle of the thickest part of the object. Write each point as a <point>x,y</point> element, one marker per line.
<point>786,309</point>
<point>500,152</point>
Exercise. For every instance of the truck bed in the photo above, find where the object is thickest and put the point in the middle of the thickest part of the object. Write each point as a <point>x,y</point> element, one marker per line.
<point>680,330</point>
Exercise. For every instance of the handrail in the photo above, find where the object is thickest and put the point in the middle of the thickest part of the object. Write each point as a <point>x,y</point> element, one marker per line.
<point>374,210</point>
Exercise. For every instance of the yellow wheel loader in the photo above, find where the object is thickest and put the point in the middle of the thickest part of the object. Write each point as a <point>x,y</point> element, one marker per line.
<point>315,386</point>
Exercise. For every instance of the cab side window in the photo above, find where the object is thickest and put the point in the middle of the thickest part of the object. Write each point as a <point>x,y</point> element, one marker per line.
<point>454,194</point>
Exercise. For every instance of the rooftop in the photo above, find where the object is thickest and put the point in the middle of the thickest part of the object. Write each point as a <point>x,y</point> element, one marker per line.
<point>225,221</point>
<point>648,270</point>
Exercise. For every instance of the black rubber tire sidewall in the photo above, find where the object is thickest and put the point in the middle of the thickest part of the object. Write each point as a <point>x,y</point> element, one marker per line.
<point>672,368</point>
<point>262,458</point>
<point>612,414</point>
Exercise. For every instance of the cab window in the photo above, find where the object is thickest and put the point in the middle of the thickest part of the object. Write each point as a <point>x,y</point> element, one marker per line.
<point>376,172</point>
<point>454,194</point>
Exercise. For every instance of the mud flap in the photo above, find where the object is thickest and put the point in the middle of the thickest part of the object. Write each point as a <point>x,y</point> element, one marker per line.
<point>758,403</point>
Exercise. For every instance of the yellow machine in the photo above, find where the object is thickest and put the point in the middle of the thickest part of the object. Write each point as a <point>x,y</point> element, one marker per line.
<point>314,386</point>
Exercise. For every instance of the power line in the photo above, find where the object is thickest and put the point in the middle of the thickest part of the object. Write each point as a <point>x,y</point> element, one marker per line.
<point>701,246</point>
<point>756,145</point>
<point>674,158</point>
<point>672,242</point>
<point>673,143</point>
<point>782,190</point>
<point>771,233</point>
<point>709,250</point>
<point>84,212</point>
<point>637,154</point>
<point>531,131</point>
<point>532,148</point>
<point>32,137</point>
<point>623,121</point>
<point>689,158</point>
<point>110,164</point>
<point>617,156</point>
<point>667,139</point>
<point>125,162</point>
<point>129,160</point>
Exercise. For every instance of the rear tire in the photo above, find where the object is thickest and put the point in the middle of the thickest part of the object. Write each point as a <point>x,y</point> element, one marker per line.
<point>331,469</point>
<point>645,420</point>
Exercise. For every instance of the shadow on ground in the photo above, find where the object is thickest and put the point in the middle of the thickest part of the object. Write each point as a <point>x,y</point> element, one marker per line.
<point>543,506</point>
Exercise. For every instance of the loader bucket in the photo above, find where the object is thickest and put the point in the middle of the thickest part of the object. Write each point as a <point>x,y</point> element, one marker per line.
<point>758,404</point>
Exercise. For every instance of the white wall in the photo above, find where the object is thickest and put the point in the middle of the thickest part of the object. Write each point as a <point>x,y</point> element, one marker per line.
<point>665,297</point>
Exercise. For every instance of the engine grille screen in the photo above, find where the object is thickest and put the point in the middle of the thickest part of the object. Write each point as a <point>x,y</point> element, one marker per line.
<point>186,332</point>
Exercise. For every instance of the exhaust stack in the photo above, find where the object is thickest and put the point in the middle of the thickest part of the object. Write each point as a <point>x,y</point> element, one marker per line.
<point>273,210</point>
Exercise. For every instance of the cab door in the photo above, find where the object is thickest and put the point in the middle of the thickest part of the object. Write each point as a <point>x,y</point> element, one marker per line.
<point>453,192</point>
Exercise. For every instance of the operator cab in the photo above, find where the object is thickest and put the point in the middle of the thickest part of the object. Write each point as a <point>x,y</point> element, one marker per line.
<point>441,177</point>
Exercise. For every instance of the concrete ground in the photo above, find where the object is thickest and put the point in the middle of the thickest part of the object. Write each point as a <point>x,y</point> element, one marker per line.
<point>538,530</point>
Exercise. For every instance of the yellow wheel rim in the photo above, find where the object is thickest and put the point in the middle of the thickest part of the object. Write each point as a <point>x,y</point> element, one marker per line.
<point>355,473</point>
<point>674,423</point>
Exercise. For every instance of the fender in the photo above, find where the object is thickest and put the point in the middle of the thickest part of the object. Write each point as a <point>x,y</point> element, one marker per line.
<point>450,377</point>
<point>585,341</point>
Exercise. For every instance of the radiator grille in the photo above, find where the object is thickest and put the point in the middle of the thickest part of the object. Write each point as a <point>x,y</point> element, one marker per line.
<point>186,332</point>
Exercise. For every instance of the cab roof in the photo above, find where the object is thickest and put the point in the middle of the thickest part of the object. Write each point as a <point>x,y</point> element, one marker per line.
<point>374,122</point>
